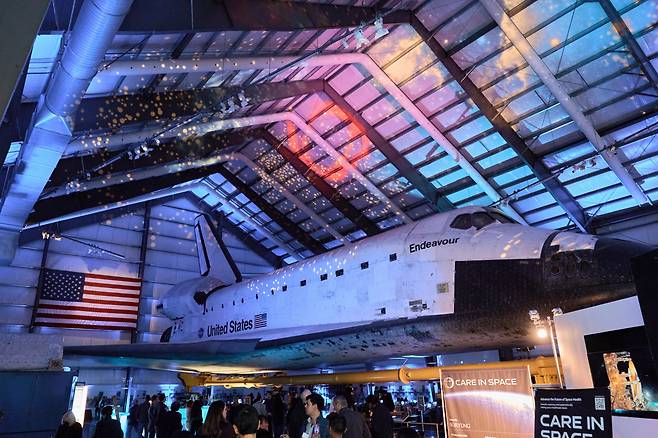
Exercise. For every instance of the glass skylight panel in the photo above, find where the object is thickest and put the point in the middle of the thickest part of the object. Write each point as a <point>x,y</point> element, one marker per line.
<point>461,26</point>
<point>556,159</point>
<point>369,161</point>
<point>456,114</point>
<point>512,175</point>
<point>641,16</point>
<point>485,145</point>
<point>359,147</point>
<point>574,22</point>
<point>449,93</point>
<point>497,158</point>
<point>538,12</point>
<point>649,184</point>
<point>641,148</point>
<point>427,151</point>
<point>437,166</point>
<point>449,178</point>
<point>377,111</point>
<point>603,196</point>
<point>540,120</point>
<point>542,215</point>
<point>534,202</point>
<point>428,79</point>
<point>482,201</point>
<point>464,194</point>
<point>471,129</point>
<point>433,14</point>
<point>416,59</point>
<point>646,166</point>
<point>556,224</point>
<point>12,153</point>
<point>401,38</point>
<point>523,188</point>
<point>592,184</point>
<point>347,79</point>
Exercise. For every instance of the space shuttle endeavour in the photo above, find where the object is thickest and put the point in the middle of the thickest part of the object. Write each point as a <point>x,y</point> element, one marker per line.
<point>463,280</point>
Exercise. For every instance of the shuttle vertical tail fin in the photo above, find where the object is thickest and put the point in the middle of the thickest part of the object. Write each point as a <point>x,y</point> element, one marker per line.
<point>214,258</point>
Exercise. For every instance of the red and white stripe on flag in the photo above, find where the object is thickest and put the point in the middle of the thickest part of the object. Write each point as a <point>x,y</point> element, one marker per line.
<point>104,302</point>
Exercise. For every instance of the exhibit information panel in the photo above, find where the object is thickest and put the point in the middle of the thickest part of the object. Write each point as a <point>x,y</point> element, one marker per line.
<point>488,403</point>
<point>573,413</point>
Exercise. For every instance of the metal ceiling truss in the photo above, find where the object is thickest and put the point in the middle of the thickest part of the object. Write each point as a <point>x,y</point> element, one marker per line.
<point>49,208</point>
<point>631,43</point>
<point>436,199</point>
<point>341,203</point>
<point>559,192</point>
<point>281,219</point>
<point>175,16</point>
<point>568,104</point>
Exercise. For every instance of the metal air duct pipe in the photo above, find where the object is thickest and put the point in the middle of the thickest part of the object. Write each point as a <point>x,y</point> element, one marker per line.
<point>50,132</point>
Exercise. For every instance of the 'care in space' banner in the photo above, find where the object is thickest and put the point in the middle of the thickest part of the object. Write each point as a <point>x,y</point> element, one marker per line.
<point>573,413</point>
<point>488,403</point>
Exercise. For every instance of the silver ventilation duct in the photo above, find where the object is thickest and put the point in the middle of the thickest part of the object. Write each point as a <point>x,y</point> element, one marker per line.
<point>52,128</point>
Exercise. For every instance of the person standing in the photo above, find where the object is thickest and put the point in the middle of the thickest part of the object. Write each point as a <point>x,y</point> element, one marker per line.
<point>170,421</point>
<point>278,412</point>
<point>296,418</point>
<point>245,422</point>
<point>143,417</point>
<point>316,426</point>
<point>357,427</point>
<point>107,427</point>
<point>381,421</point>
<point>69,428</point>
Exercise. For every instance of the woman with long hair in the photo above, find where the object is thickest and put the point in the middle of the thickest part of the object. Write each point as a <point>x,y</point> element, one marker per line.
<point>216,424</point>
<point>196,417</point>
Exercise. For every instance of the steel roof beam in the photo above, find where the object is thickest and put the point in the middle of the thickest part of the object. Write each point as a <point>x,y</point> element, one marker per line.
<point>557,190</point>
<point>631,43</point>
<point>281,219</point>
<point>341,203</point>
<point>526,50</point>
<point>176,16</point>
<point>47,209</point>
<point>436,199</point>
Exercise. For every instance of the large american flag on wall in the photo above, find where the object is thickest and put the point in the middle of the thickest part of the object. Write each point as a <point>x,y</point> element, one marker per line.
<point>88,301</point>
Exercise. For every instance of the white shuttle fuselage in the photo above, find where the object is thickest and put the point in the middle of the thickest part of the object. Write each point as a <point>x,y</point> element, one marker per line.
<point>404,273</point>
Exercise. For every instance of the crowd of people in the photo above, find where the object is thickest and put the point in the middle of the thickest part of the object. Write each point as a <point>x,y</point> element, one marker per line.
<point>277,415</point>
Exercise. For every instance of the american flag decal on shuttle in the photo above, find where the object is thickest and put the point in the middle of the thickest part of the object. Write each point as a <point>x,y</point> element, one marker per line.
<point>260,320</point>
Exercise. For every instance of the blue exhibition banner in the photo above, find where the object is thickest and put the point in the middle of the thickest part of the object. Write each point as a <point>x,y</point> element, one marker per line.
<point>573,413</point>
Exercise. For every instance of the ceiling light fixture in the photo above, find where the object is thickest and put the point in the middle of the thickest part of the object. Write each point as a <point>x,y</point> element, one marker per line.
<point>360,38</point>
<point>380,30</point>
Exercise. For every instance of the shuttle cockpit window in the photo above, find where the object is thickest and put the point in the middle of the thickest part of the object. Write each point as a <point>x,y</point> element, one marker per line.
<point>462,222</point>
<point>500,217</point>
<point>481,220</point>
